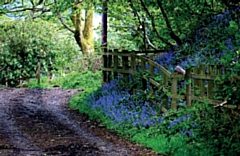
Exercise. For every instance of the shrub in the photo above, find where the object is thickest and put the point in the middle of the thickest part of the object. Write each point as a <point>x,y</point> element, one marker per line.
<point>21,43</point>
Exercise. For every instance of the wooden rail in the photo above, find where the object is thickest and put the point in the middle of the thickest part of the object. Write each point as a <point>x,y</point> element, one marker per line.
<point>198,82</point>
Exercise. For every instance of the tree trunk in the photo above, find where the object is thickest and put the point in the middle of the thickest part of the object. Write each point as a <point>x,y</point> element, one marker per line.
<point>83,33</point>
<point>104,23</point>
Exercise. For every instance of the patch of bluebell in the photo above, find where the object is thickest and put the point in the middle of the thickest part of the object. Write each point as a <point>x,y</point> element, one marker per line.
<point>202,50</point>
<point>167,60</point>
<point>122,108</point>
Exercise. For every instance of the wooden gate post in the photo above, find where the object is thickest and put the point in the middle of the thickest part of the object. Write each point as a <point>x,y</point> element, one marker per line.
<point>210,83</point>
<point>133,62</point>
<point>38,69</point>
<point>151,72</point>
<point>188,88</point>
<point>125,66</point>
<point>109,65</point>
<point>165,84</point>
<point>104,59</point>
<point>174,92</point>
<point>115,64</point>
<point>144,81</point>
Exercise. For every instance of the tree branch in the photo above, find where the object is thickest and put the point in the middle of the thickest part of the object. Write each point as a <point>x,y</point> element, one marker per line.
<point>64,24</point>
<point>1,69</point>
<point>172,34</point>
<point>154,26</point>
<point>27,9</point>
<point>141,24</point>
<point>151,45</point>
<point>40,2</point>
<point>61,19</point>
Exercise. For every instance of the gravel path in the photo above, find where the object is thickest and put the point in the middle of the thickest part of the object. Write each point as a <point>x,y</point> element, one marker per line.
<point>38,122</point>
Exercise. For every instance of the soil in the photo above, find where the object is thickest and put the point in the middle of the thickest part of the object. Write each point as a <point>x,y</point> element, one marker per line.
<point>38,122</point>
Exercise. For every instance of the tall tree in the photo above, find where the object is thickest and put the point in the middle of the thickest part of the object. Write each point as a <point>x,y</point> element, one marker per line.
<point>81,27</point>
<point>83,34</point>
<point>104,23</point>
<point>161,24</point>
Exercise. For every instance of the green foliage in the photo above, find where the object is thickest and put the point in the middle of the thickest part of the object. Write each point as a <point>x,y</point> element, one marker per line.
<point>205,130</point>
<point>86,79</point>
<point>139,24</point>
<point>44,83</point>
<point>79,102</point>
<point>21,44</point>
<point>214,129</point>
<point>229,83</point>
<point>200,130</point>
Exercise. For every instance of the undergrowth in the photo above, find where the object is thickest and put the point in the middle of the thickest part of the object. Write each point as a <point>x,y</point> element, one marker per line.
<point>85,79</point>
<point>200,130</point>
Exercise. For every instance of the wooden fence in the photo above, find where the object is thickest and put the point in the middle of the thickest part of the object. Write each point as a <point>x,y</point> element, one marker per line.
<point>199,81</point>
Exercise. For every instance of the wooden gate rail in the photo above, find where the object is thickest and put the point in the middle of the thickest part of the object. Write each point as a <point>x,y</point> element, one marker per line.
<point>199,81</point>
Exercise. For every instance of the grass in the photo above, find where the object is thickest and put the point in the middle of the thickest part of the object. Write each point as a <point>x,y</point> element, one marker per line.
<point>158,137</point>
<point>85,79</point>
<point>150,137</point>
<point>216,131</point>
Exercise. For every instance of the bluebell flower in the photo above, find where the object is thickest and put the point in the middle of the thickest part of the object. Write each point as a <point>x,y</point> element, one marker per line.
<point>122,108</point>
<point>187,132</point>
<point>200,31</point>
<point>179,120</point>
<point>236,9</point>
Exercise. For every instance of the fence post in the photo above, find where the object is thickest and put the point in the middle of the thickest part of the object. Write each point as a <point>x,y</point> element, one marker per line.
<point>20,82</point>
<point>210,83</point>
<point>174,92</point>
<point>109,64</point>
<point>38,75</point>
<point>6,81</point>
<point>38,69</point>
<point>144,81</point>
<point>188,88</point>
<point>115,64</point>
<point>219,73</point>
<point>104,59</point>
<point>196,82</point>
<point>125,66</point>
<point>202,82</point>
<point>165,83</point>
<point>151,72</point>
<point>133,61</point>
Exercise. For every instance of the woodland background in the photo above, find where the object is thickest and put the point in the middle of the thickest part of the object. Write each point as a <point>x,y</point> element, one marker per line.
<point>65,35</point>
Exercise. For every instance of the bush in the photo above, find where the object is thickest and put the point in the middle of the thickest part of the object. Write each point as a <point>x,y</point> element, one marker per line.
<point>21,43</point>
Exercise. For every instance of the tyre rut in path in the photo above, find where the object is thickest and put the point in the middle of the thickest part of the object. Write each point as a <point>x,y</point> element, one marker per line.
<point>11,138</point>
<point>39,122</point>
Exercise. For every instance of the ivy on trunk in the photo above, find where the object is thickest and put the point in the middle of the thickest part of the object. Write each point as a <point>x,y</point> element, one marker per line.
<point>83,32</point>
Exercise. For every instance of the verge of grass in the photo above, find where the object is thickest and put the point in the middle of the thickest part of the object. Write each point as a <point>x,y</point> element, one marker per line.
<point>178,140</point>
<point>149,137</point>
<point>85,79</point>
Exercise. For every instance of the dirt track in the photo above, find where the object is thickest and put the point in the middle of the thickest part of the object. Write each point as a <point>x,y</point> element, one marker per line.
<point>38,122</point>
